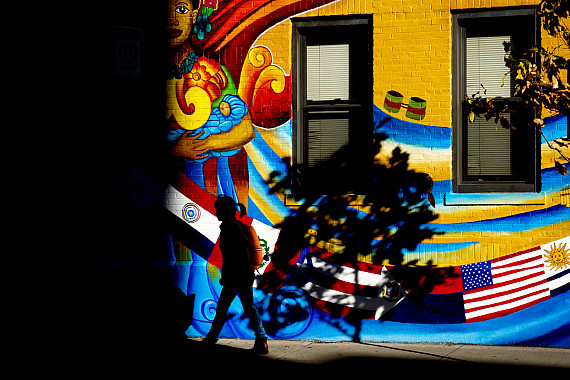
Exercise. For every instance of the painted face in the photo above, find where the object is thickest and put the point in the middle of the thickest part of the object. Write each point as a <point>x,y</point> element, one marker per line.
<point>179,21</point>
<point>225,108</point>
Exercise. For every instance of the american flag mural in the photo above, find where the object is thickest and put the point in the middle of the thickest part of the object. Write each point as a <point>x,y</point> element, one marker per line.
<point>501,286</point>
<point>505,285</point>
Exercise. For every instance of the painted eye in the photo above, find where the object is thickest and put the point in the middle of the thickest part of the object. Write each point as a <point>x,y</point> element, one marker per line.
<point>182,9</point>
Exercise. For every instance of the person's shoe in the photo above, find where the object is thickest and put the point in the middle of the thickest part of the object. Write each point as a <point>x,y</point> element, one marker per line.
<point>260,346</point>
<point>209,341</point>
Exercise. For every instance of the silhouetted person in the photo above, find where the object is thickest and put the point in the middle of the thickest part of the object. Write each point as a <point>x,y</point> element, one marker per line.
<point>236,239</point>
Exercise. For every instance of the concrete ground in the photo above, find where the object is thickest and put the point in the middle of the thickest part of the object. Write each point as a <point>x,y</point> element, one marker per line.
<point>302,352</point>
<point>302,359</point>
<point>187,358</point>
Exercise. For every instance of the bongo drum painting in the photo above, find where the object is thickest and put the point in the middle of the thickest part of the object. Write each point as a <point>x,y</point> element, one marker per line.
<point>393,101</point>
<point>415,109</point>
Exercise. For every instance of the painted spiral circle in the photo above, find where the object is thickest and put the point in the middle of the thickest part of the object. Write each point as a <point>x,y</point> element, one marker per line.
<point>290,312</point>
<point>208,309</point>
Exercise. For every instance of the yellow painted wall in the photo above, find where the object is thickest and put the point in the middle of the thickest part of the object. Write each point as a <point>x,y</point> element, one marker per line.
<point>412,55</point>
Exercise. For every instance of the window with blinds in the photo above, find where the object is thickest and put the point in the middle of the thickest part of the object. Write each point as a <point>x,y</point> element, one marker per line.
<point>328,77</point>
<point>327,132</point>
<point>328,72</point>
<point>332,93</point>
<point>485,64</point>
<point>488,144</point>
<point>486,156</point>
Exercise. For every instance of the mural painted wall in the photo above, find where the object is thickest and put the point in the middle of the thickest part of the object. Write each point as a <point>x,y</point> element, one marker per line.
<point>228,120</point>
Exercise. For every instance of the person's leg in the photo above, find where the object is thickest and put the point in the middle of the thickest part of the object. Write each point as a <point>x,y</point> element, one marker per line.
<point>246,297</point>
<point>226,297</point>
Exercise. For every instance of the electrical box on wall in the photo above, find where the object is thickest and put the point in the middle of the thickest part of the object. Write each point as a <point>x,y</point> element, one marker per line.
<point>127,52</point>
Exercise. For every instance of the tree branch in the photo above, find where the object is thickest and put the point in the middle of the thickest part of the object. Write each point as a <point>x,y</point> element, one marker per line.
<point>553,147</point>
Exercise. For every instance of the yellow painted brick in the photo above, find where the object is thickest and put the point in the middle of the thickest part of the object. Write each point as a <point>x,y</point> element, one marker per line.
<point>501,3</point>
<point>443,5</point>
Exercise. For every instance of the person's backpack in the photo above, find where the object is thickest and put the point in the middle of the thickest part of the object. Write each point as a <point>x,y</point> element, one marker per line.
<point>254,250</point>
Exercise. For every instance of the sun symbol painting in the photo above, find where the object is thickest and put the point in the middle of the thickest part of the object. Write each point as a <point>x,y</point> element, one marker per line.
<point>558,257</point>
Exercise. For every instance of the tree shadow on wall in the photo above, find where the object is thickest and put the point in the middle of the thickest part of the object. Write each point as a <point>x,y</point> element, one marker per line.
<point>357,216</point>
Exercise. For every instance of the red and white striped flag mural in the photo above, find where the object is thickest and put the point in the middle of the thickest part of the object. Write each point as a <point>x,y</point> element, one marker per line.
<point>364,287</point>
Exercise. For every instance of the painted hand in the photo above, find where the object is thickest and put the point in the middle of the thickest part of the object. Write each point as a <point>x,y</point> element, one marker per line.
<point>192,147</point>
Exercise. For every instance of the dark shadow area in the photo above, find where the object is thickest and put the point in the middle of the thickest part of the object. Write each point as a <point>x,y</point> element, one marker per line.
<point>436,368</point>
<point>133,310</point>
<point>124,306</point>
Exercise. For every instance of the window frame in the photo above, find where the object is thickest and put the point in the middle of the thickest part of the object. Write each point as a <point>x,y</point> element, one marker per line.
<point>314,28</point>
<point>461,184</point>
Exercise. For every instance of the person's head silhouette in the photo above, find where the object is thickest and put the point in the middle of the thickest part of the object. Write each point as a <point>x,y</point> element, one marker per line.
<point>226,208</point>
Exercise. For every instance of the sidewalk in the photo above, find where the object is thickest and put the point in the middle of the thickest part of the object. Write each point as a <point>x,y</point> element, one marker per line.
<point>141,354</point>
<point>392,358</point>
<point>316,352</point>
